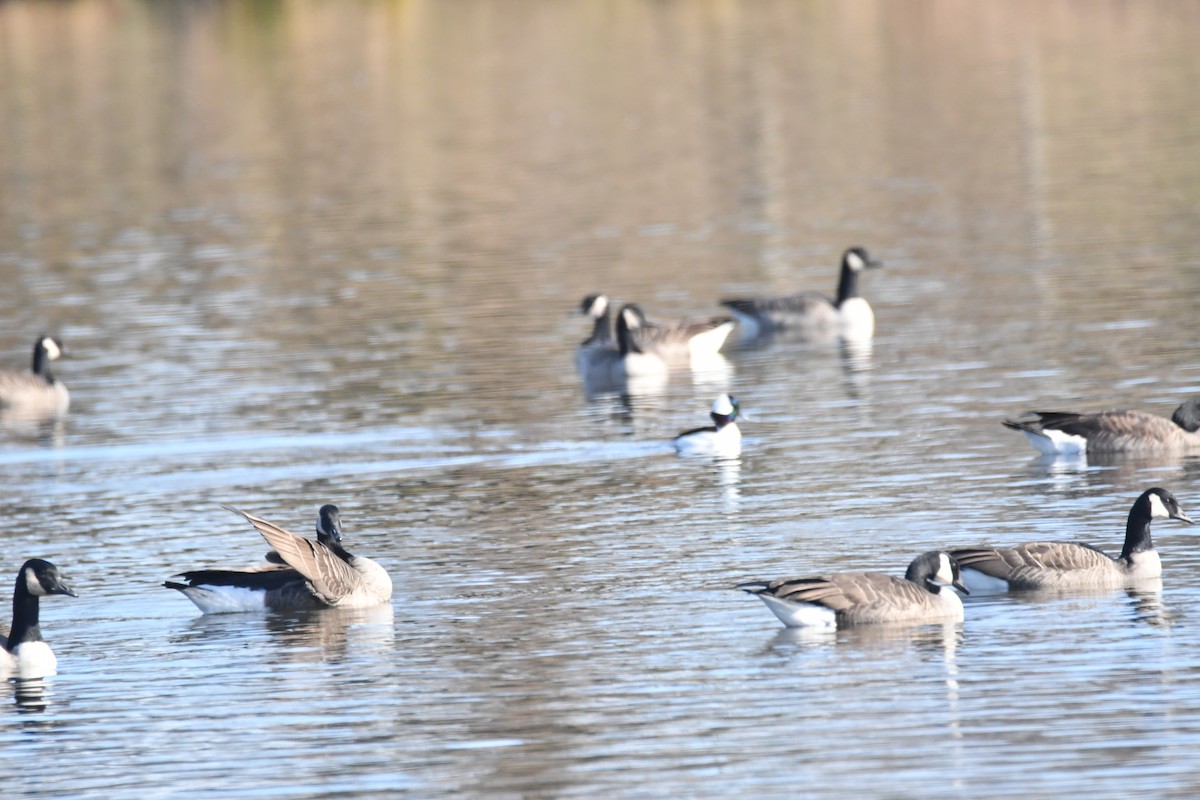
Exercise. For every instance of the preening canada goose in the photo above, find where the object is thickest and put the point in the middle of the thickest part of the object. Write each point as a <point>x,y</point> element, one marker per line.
<point>1131,432</point>
<point>25,653</point>
<point>861,598</point>
<point>302,574</point>
<point>1069,565</point>
<point>722,438</point>
<point>812,315</point>
<point>37,393</point>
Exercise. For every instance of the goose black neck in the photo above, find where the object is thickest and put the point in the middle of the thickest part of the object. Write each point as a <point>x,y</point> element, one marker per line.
<point>625,340</point>
<point>601,329</point>
<point>847,284</point>
<point>25,617</point>
<point>1137,530</point>
<point>340,552</point>
<point>41,362</point>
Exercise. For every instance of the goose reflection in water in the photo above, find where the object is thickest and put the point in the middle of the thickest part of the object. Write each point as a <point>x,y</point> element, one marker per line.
<point>31,695</point>
<point>303,636</point>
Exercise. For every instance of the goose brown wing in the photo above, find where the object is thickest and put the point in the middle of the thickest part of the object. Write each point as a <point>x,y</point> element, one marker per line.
<point>850,590</point>
<point>1005,562</point>
<point>1110,425</point>
<point>331,577</point>
<point>799,304</point>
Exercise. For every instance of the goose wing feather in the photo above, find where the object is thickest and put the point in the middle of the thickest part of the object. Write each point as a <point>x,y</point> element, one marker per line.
<point>793,304</point>
<point>1009,562</point>
<point>265,578</point>
<point>652,335</point>
<point>1106,427</point>
<point>851,591</point>
<point>331,577</point>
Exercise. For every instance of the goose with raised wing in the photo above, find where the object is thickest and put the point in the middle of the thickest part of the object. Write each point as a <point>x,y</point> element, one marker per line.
<point>812,315</point>
<point>1118,431</point>
<point>26,654</point>
<point>1070,565</point>
<point>35,393</point>
<point>925,594</point>
<point>302,574</point>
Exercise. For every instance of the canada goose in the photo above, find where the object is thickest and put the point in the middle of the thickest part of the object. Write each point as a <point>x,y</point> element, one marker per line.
<point>601,338</point>
<point>1069,565</point>
<point>861,598</point>
<point>621,367</point>
<point>812,315</point>
<point>721,438</point>
<point>691,339</point>
<point>36,393</point>
<point>302,574</point>
<point>25,653</point>
<point>1132,432</point>
<point>674,341</point>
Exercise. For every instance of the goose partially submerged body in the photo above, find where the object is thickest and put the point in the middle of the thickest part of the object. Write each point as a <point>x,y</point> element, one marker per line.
<point>302,574</point>
<point>1121,431</point>
<point>812,315</point>
<point>35,394</point>
<point>26,654</point>
<point>844,599</point>
<point>1070,565</point>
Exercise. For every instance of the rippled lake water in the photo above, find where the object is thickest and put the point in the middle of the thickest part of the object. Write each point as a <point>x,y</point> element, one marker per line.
<point>306,253</point>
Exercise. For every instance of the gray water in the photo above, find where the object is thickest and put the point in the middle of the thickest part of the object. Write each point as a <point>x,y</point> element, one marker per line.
<point>325,252</point>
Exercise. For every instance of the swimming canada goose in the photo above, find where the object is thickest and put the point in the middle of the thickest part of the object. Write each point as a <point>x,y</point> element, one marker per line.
<point>861,598</point>
<point>601,338</point>
<point>25,653</point>
<point>722,438</point>
<point>678,340</point>
<point>302,574</point>
<point>674,341</point>
<point>1131,432</point>
<point>1069,565</point>
<point>36,393</point>
<point>633,357</point>
<point>812,315</point>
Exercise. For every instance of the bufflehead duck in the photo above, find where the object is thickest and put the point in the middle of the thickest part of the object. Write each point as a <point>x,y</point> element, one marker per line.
<point>721,438</point>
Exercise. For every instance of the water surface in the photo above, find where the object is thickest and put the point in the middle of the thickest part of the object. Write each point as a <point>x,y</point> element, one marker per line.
<point>309,253</point>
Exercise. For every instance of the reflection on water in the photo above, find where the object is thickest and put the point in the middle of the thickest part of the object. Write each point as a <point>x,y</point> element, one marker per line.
<point>305,251</point>
<point>325,635</point>
<point>31,695</point>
